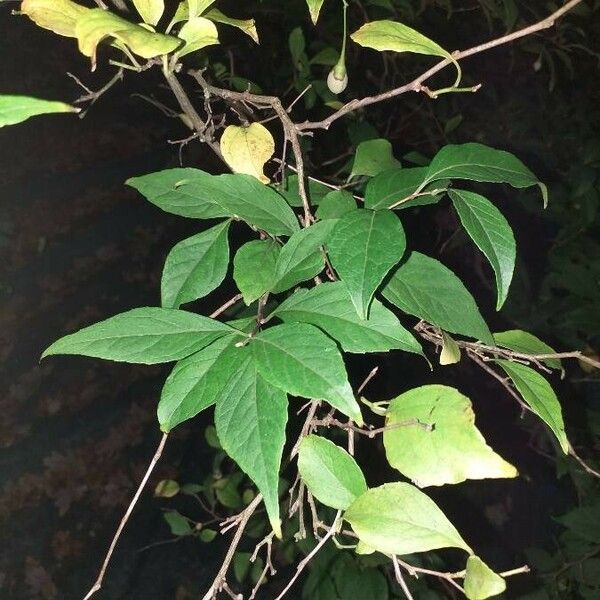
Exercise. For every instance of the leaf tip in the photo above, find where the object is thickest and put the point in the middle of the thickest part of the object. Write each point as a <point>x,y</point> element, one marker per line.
<point>276,526</point>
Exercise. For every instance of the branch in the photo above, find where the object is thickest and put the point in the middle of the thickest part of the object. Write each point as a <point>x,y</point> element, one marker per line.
<point>416,85</point>
<point>98,583</point>
<point>302,564</point>
<point>290,129</point>
<point>188,108</point>
<point>242,520</point>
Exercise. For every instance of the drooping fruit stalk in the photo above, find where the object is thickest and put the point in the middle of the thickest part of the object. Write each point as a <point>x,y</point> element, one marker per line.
<point>337,80</point>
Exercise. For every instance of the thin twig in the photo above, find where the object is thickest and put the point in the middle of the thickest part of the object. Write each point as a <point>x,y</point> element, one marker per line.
<point>244,517</point>
<point>417,84</point>
<point>400,578</point>
<point>92,96</point>
<point>225,306</point>
<point>157,454</point>
<point>585,466</point>
<point>290,130</point>
<point>302,564</point>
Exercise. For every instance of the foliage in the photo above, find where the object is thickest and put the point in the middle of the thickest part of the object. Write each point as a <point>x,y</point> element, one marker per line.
<point>252,368</point>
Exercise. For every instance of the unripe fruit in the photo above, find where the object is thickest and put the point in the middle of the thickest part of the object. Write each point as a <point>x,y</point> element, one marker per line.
<point>337,80</point>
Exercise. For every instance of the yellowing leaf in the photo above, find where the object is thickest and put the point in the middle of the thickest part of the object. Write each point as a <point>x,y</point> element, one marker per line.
<point>99,24</point>
<point>450,351</point>
<point>248,26</point>
<point>59,16</point>
<point>480,581</point>
<point>444,446</point>
<point>198,33</point>
<point>197,7</point>
<point>247,149</point>
<point>150,10</point>
<point>314,7</point>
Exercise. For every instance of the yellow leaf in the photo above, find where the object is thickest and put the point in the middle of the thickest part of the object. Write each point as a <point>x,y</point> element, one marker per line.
<point>247,149</point>
<point>59,16</point>
<point>150,10</point>
<point>198,33</point>
<point>450,351</point>
<point>99,24</point>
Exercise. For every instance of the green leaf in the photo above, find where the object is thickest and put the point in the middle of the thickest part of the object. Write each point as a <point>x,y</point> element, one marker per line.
<point>395,189</point>
<point>314,7</point>
<point>177,523</point>
<point>248,26</point>
<point>16,109</point>
<point>303,361</point>
<point>329,307</point>
<point>477,162</point>
<point>167,488</point>
<point>150,10</point>
<point>197,33</point>
<point>451,450</point>
<point>425,288</point>
<point>143,335</point>
<point>329,472</point>
<point>335,205</point>
<point>480,581</point>
<point>59,16</point>
<point>522,341</point>
<point>195,382</point>
<point>391,35</point>
<point>373,157</point>
<point>289,190</point>
<point>98,24</point>
<point>180,192</point>
<point>250,422</point>
<point>199,195</point>
<point>491,232</point>
<point>539,396</point>
<point>397,518</point>
<point>583,522</point>
<point>254,268</point>
<point>363,247</point>
<point>301,257</point>
<point>195,266</point>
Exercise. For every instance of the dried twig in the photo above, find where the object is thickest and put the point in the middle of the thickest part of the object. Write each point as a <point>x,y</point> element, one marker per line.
<point>157,454</point>
<point>302,564</point>
<point>242,520</point>
<point>416,85</point>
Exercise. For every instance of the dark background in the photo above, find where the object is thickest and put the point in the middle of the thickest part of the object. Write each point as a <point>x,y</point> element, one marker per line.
<point>77,245</point>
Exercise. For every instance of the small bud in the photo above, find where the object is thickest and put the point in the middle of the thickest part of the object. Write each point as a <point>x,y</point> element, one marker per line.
<point>337,80</point>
